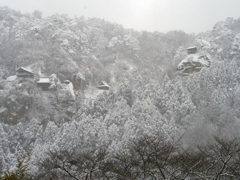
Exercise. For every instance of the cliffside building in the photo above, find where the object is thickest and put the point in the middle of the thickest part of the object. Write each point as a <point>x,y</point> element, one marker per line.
<point>44,83</point>
<point>103,86</point>
<point>192,50</point>
<point>24,72</point>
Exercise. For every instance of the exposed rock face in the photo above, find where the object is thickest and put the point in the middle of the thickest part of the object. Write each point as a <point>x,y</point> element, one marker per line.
<point>78,81</point>
<point>66,93</point>
<point>54,82</point>
<point>15,107</point>
<point>16,99</point>
<point>193,63</point>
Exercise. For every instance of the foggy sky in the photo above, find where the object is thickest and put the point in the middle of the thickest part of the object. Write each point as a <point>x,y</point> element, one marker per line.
<point>150,15</point>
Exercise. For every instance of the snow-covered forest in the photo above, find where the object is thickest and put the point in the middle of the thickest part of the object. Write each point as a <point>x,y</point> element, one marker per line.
<point>167,113</point>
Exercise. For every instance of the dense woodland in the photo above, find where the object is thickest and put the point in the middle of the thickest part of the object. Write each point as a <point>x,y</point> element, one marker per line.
<point>154,123</point>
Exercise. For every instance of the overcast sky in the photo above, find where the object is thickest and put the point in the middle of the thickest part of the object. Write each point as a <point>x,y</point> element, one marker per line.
<point>151,15</point>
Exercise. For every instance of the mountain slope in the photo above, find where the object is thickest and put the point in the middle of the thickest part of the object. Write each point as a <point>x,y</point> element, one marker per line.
<point>147,96</point>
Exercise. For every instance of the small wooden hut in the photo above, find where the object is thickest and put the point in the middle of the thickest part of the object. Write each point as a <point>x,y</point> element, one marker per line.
<point>103,86</point>
<point>192,50</point>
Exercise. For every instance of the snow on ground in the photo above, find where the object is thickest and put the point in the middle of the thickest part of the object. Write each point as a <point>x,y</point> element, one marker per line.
<point>91,93</point>
<point>129,64</point>
<point>11,78</point>
<point>193,58</point>
<point>114,68</point>
<point>2,109</point>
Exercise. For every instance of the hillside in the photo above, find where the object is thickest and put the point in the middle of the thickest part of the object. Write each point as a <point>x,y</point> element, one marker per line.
<point>156,86</point>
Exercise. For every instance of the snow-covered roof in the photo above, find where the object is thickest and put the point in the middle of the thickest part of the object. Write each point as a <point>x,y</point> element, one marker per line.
<point>67,81</point>
<point>11,78</point>
<point>193,47</point>
<point>44,80</point>
<point>103,84</point>
<point>25,69</point>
